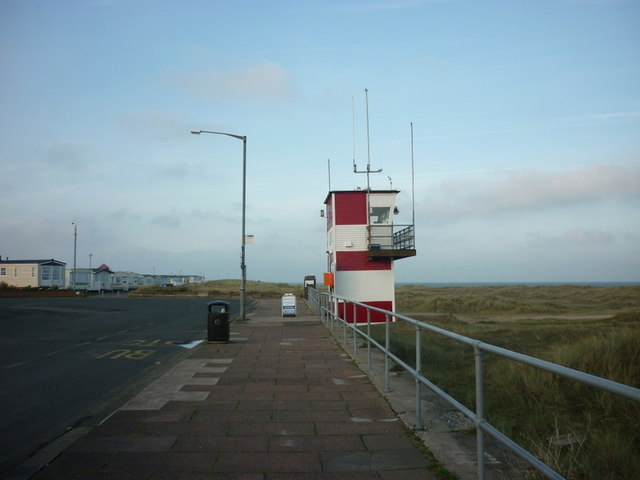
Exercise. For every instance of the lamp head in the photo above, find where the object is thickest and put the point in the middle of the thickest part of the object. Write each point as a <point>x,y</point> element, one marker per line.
<point>196,132</point>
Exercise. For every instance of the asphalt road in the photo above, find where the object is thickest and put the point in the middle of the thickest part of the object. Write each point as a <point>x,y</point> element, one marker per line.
<point>70,362</point>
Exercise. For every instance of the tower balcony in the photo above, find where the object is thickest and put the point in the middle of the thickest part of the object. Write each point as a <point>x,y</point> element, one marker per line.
<point>391,241</point>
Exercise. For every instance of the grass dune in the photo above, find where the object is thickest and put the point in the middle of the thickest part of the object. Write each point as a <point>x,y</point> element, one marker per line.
<point>578,430</point>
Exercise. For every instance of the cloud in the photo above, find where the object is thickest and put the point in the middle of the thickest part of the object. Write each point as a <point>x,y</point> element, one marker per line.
<point>615,116</point>
<point>503,192</point>
<point>122,215</point>
<point>261,81</point>
<point>606,3</point>
<point>602,118</point>
<point>560,123</point>
<point>68,156</point>
<point>154,124</point>
<point>168,221</point>
<point>573,237</point>
<point>383,5</point>
<point>25,236</point>
<point>178,170</point>
<point>146,259</point>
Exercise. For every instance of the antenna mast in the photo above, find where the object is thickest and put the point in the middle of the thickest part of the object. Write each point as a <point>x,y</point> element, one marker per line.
<point>353,132</point>
<point>413,185</point>
<point>355,168</point>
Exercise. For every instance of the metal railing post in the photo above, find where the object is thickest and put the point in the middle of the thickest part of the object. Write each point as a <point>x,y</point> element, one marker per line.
<point>418,425</point>
<point>479,410</point>
<point>369,338</point>
<point>334,316</point>
<point>355,330</point>
<point>325,307</point>
<point>325,311</point>
<point>344,322</point>
<point>387,342</point>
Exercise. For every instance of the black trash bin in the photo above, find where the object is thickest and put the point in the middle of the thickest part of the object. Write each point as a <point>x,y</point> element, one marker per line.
<point>218,322</point>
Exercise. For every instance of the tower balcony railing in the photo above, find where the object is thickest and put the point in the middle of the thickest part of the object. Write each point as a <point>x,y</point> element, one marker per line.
<point>391,241</point>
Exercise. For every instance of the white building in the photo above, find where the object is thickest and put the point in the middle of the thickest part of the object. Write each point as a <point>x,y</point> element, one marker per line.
<point>90,279</point>
<point>126,281</point>
<point>53,273</point>
<point>32,273</point>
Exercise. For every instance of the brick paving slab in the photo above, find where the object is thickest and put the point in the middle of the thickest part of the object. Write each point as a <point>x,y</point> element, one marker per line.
<point>280,401</point>
<point>124,444</point>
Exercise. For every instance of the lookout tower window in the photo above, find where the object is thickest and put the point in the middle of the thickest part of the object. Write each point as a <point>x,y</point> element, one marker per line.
<point>379,216</point>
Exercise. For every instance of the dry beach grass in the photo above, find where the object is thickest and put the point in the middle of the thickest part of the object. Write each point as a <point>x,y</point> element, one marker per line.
<point>227,288</point>
<point>581,432</point>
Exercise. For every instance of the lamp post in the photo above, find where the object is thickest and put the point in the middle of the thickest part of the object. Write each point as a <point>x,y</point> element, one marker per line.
<point>243,266</point>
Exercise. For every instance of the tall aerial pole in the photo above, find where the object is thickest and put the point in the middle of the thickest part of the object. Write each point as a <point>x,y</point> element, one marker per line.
<point>355,168</point>
<point>75,245</point>
<point>413,184</point>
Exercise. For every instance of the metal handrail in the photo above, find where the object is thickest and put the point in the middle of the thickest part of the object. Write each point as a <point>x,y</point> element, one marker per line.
<point>404,238</point>
<point>326,304</point>
<point>394,237</point>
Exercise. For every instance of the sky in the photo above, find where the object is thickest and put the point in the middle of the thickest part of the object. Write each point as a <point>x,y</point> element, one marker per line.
<point>525,114</point>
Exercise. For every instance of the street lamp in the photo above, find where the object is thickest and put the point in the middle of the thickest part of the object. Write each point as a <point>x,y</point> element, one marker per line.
<point>243,266</point>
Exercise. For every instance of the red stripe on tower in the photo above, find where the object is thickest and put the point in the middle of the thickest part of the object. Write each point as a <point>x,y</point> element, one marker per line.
<point>359,260</point>
<point>345,311</point>
<point>351,208</point>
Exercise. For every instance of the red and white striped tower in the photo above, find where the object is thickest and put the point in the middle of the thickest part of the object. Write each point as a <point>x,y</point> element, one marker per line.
<point>362,245</point>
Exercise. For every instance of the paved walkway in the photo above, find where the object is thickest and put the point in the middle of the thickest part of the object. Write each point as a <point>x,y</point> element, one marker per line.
<point>280,401</point>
